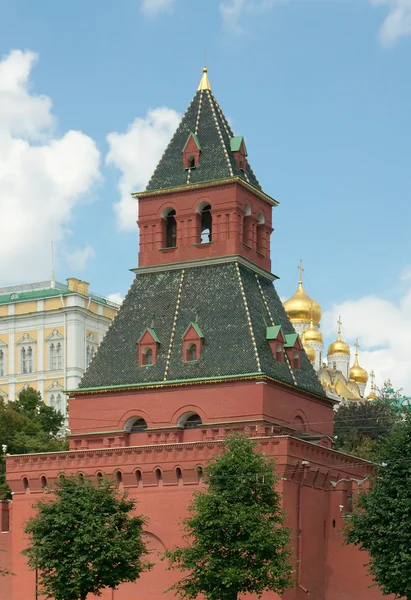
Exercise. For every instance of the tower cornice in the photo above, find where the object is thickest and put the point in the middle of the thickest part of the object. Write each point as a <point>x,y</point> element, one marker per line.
<point>207,184</point>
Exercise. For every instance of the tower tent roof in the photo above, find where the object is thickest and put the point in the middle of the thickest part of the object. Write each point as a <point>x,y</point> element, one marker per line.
<point>229,303</point>
<point>205,120</point>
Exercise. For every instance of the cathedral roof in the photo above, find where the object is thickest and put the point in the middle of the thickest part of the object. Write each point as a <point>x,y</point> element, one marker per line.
<point>232,306</point>
<point>213,135</point>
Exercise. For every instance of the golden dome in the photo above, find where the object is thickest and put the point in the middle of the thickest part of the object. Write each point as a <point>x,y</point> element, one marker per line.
<point>313,335</point>
<point>309,350</point>
<point>338,347</point>
<point>301,307</point>
<point>357,373</point>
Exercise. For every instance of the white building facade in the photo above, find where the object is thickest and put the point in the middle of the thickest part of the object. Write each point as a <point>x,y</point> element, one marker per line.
<point>49,332</point>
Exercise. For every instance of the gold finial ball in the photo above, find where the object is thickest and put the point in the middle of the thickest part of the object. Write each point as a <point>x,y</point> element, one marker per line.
<point>205,70</point>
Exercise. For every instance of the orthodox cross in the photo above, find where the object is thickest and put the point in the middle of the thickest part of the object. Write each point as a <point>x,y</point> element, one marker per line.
<point>357,345</point>
<point>372,377</point>
<point>339,324</point>
<point>300,268</point>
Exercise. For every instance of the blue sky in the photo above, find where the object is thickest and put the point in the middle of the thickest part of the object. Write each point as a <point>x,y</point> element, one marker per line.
<point>319,88</point>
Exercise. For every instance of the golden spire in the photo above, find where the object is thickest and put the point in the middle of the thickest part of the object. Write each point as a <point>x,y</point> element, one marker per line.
<point>204,83</point>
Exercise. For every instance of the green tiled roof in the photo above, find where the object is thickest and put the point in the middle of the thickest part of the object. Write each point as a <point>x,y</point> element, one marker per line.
<point>235,143</point>
<point>34,295</point>
<point>272,332</point>
<point>290,340</point>
<point>211,298</point>
<point>205,119</point>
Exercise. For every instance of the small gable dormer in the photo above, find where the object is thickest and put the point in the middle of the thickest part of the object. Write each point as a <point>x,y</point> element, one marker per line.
<point>148,347</point>
<point>192,340</point>
<point>293,348</point>
<point>237,146</point>
<point>191,152</point>
<point>276,340</point>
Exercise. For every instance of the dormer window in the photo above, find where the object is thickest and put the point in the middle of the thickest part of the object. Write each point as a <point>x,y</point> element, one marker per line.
<point>191,152</point>
<point>276,340</point>
<point>293,347</point>
<point>192,339</point>
<point>148,345</point>
<point>239,151</point>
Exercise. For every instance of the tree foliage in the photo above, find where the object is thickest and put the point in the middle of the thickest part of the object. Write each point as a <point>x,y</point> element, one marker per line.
<point>83,539</point>
<point>380,523</point>
<point>360,427</point>
<point>235,529</point>
<point>28,425</point>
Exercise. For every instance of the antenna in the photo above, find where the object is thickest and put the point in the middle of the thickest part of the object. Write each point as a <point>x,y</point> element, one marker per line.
<point>53,281</point>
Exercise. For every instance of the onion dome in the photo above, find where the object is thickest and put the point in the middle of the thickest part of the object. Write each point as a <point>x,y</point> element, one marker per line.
<point>338,347</point>
<point>357,373</point>
<point>309,350</point>
<point>312,334</point>
<point>301,307</point>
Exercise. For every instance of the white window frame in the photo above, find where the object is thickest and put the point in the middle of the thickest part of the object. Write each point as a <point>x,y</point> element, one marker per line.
<point>27,355</point>
<point>55,347</point>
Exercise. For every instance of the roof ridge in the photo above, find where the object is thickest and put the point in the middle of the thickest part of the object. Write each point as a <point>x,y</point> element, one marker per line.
<point>173,329</point>
<point>250,323</point>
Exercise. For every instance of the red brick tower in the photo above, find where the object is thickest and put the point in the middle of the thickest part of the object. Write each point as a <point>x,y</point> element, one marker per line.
<point>200,347</point>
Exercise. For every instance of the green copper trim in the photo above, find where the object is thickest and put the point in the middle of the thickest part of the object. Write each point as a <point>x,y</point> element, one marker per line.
<point>162,383</point>
<point>204,184</point>
<point>195,138</point>
<point>196,329</point>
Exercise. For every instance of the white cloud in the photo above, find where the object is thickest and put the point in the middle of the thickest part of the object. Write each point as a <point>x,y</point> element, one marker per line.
<point>398,22</point>
<point>136,154</point>
<point>384,332</point>
<point>42,177</point>
<point>154,7</point>
<point>78,259</point>
<point>232,11</point>
<point>116,297</point>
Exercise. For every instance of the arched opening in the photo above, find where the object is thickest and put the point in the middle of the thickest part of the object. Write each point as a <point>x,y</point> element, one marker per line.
<point>247,232</point>
<point>191,352</point>
<point>62,476</point>
<point>206,225</point>
<point>159,476</point>
<point>138,425</point>
<point>200,473</point>
<point>260,233</point>
<point>279,353</point>
<point>191,162</point>
<point>25,484</point>
<point>43,482</point>
<point>139,477</point>
<point>192,421</point>
<point>171,229</point>
<point>298,423</point>
<point>147,356</point>
<point>119,477</point>
<point>296,360</point>
<point>80,476</point>
<point>179,475</point>
<point>99,475</point>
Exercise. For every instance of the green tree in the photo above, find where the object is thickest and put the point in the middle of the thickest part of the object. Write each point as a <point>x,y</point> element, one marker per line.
<point>380,523</point>
<point>83,539</point>
<point>28,425</point>
<point>360,427</point>
<point>235,529</point>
